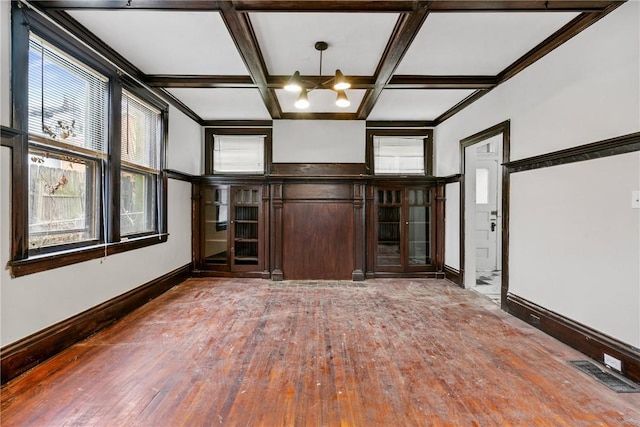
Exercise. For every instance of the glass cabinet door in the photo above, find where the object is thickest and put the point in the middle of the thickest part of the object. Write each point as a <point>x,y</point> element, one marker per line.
<point>389,243</point>
<point>216,219</point>
<point>419,226</point>
<point>246,209</point>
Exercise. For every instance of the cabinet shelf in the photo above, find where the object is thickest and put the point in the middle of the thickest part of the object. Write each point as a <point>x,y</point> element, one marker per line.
<point>242,240</point>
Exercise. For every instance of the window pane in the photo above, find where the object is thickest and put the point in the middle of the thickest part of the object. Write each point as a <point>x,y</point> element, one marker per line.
<point>238,154</point>
<point>398,155</point>
<point>67,101</point>
<point>137,203</point>
<point>482,186</point>
<point>140,132</point>
<point>63,201</point>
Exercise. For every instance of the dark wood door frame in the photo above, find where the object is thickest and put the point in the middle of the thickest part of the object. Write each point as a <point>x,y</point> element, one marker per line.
<point>504,129</point>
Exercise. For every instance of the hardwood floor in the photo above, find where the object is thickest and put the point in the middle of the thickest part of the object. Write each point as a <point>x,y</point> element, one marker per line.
<point>237,352</point>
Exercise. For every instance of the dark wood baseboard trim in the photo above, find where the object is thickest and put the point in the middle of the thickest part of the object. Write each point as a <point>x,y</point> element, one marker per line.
<point>26,353</point>
<point>319,169</point>
<point>411,275</point>
<point>583,338</point>
<point>230,274</point>
<point>453,275</point>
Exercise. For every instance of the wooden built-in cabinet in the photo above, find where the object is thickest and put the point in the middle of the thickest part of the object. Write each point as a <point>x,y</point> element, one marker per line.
<point>402,232</point>
<point>291,227</point>
<point>231,238</point>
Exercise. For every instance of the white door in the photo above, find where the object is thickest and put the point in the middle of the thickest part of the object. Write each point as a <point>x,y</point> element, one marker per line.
<point>487,219</point>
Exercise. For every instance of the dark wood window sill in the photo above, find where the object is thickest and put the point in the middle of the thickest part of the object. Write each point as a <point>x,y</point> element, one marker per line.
<point>46,262</point>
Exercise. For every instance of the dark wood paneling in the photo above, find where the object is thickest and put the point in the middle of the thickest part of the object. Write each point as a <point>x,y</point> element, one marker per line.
<point>24,354</point>
<point>318,169</point>
<point>319,191</point>
<point>318,241</point>
<point>438,230</point>
<point>605,148</point>
<point>276,231</point>
<point>359,232</point>
<point>583,338</point>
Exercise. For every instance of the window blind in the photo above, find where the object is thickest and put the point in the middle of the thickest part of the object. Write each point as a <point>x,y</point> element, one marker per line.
<point>67,100</point>
<point>140,133</point>
<point>238,153</point>
<point>398,155</point>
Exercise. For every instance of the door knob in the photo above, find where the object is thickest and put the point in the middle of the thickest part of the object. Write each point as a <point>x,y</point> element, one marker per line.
<point>493,226</point>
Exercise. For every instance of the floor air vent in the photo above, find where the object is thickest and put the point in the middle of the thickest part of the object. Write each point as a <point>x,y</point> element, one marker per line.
<point>612,381</point>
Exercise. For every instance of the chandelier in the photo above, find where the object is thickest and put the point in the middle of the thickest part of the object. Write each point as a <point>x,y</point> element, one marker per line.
<point>340,83</point>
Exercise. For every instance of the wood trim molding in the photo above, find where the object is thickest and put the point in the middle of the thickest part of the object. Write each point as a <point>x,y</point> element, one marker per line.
<point>319,116</point>
<point>318,169</point>
<point>405,31</point>
<point>182,81</point>
<point>451,178</point>
<point>241,31</point>
<point>237,123</point>
<point>568,31</point>
<point>180,176</point>
<point>605,148</point>
<point>391,124</point>
<point>461,105</point>
<point>400,81</point>
<point>503,128</point>
<point>24,354</point>
<point>583,338</point>
<point>453,275</point>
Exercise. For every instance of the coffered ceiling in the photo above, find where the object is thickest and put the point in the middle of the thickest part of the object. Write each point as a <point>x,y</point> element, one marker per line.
<point>417,61</point>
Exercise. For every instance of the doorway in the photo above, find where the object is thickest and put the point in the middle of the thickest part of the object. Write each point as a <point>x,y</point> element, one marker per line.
<point>483,216</point>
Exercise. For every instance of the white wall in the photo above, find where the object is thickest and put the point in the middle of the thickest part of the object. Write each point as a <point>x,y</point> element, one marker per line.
<point>573,237</point>
<point>33,302</point>
<point>5,62</point>
<point>452,226</point>
<point>578,253</point>
<point>184,149</point>
<point>319,141</point>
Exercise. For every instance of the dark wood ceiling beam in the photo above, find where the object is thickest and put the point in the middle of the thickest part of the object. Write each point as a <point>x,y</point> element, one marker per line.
<point>325,6</point>
<point>88,38</point>
<point>184,81</point>
<point>403,34</point>
<point>400,123</point>
<point>399,81</point>
<point>357,82</point>
<point>461,105</point>
<point>243,36</point>
<point>124,4</point>
<point>319,116</point>
<point>518,6</point>
<point>568,31</point>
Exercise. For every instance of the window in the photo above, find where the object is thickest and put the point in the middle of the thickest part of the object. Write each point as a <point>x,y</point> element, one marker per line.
<point>88,162</point>
<point>399,152</point>
<point>139,176</point>
<point>67,122</point>
<point>237,151</point>
<point>238,154</point>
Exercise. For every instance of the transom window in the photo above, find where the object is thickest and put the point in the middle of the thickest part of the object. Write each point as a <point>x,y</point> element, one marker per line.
<point>400,151</point>
<point>234,151</point>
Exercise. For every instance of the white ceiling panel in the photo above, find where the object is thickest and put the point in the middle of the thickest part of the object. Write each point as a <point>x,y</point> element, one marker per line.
<point>162,42</point>
<point>401,104</point>
<point>477,43</point>
<point>321,101</point>
<point>356,41</point>
<point>223,104</point>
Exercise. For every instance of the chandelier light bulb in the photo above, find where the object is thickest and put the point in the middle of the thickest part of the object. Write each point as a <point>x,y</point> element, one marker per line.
<point>342,100</point>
